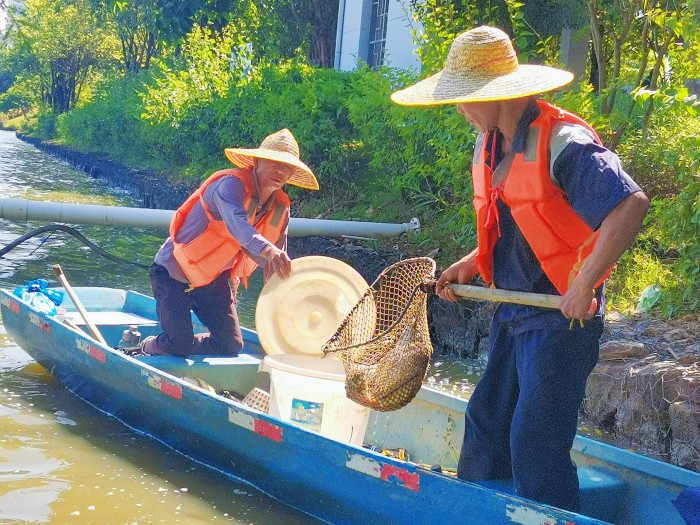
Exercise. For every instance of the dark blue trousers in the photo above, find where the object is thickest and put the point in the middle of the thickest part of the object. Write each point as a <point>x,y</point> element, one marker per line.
<point>522,417</point>
<point>214,305</point>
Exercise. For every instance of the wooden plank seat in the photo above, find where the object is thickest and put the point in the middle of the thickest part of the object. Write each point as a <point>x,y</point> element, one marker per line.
<point>221,373</point>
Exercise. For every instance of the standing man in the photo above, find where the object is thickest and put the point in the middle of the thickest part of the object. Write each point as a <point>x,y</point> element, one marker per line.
<point>236,221</point>
<point>554,212</point>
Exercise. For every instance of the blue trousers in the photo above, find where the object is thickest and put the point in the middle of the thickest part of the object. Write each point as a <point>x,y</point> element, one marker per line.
<point>215,307</point>
<point>522,417</point>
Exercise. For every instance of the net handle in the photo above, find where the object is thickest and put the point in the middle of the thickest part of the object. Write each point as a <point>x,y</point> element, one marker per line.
<point>497,295</point>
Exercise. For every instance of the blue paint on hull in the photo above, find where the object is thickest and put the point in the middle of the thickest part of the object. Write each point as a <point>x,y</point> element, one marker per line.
<point>333,481</point>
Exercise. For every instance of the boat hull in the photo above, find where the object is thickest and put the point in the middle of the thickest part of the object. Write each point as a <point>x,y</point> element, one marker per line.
<point>333,481</point>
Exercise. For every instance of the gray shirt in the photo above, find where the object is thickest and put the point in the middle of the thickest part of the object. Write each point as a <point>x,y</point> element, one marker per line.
<point>224,198</point>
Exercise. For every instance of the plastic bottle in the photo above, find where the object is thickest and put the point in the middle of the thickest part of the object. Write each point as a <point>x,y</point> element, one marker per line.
<point>649,297</point>
<point>130,337</point>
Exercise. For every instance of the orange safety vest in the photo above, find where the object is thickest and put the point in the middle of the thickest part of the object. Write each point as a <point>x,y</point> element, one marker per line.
<point>204,258</point>
<point>559,238</point>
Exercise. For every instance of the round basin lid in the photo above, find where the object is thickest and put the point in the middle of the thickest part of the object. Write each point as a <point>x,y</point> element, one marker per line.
<point>299,314</point>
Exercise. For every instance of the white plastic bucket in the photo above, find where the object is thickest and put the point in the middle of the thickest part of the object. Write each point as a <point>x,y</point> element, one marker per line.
<point>310,392</point>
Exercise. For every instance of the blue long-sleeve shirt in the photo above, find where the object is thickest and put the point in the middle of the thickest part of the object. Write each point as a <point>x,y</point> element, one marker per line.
<point>224,198</point>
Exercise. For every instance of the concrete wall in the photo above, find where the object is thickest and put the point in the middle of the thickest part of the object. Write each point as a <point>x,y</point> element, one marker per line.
<point>400,49</point>
<point>352,42</point>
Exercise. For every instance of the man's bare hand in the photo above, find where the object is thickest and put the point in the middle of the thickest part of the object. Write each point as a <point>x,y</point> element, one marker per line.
<point>579,302</point>
<point>277,261</point>
<point>461,272</point>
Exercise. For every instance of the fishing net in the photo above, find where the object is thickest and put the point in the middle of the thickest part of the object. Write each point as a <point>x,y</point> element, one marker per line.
<point>384,342</point>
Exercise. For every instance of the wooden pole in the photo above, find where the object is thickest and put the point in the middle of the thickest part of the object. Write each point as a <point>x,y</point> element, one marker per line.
<point>69,290</point>
<point>506,296</point>
<point>497,295</point>
<point>71,323</point>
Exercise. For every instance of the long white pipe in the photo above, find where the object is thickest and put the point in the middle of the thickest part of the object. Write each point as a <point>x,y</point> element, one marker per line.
<point>26,210</point>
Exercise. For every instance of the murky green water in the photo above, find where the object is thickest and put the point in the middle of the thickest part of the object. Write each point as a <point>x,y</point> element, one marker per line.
<point>61,460</point>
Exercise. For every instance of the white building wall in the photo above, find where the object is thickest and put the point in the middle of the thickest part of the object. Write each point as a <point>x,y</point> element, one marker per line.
<point>347,42</point>
<point>399,49</point>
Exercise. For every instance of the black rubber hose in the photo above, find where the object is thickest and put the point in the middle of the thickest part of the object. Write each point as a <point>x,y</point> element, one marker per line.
<point>75,233</point>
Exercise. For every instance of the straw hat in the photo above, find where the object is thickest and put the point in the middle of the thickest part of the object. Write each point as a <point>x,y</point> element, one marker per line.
<point>281,147</point>
<point>482,66</point>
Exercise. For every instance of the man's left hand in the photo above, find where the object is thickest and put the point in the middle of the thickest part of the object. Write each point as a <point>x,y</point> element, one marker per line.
<point>579,302</point>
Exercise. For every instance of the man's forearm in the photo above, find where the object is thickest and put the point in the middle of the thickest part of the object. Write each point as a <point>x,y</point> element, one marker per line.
<point>617,233</point>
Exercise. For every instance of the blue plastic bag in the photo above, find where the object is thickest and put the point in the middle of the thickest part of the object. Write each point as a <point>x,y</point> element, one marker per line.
<point>38,295</point>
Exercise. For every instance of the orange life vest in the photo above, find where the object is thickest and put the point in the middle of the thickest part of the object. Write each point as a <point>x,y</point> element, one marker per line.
<point>559,238</point>
<point>204,258</point>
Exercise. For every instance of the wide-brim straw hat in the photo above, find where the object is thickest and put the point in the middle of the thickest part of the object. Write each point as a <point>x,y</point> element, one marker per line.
<point>280,147</point>
<point>482,66</point>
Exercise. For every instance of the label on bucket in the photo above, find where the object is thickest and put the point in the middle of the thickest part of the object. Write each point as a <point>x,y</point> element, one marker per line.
<point>307,413</point>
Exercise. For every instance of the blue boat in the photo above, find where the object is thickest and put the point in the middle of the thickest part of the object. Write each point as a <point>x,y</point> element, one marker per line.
<point>332,480</point>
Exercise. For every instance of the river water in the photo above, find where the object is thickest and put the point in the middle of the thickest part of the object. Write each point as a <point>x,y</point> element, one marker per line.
<point>61,460</point>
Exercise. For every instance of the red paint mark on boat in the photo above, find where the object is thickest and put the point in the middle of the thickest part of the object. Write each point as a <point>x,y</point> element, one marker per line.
<point>98,354</point>
<point>171,389</point>
<point>91,350</point>
<point>268,430</point>
<point>12,305</point>
<point>407,479</point>
<point>39,322</point>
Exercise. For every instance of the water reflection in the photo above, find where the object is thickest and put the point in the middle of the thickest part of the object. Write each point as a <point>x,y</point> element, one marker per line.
<point>454,376</point>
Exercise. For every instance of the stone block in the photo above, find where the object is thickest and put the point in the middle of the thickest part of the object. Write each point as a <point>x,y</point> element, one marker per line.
<point>685,432</point>
<point>622,349</point>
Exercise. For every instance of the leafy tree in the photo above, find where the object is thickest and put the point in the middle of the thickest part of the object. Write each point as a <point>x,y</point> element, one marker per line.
<point>535,26</point>
<point>548,17</point>
<point>274,28</point>
<point>146,26</point>
<point>632,43</point>
<point>56,44</point>
<point>202,74</point>
<point>7,76</point>
<point>442,20</point>
<point>314,25</point>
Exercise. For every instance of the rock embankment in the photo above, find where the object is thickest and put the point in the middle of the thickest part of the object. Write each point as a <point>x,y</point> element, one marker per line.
<point>154,189</point>
<point>645,391</point>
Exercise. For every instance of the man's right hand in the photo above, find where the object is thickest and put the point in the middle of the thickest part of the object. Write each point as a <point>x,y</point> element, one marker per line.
<point>461,272</point>
<point>277,261</point>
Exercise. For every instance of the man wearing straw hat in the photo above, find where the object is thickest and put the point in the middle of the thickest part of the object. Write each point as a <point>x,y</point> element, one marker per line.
<point>554,211</point>
<point>234,222</point>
